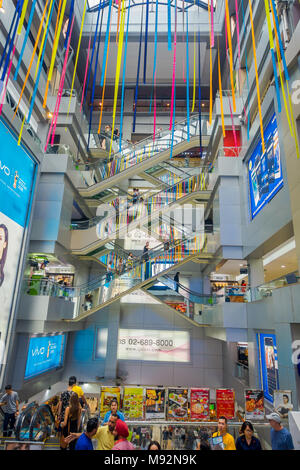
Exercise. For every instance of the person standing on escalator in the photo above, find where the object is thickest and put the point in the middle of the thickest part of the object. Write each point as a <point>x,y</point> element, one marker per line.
<point>176,281</point>
<point>71,423</point>
<point>145,259</point>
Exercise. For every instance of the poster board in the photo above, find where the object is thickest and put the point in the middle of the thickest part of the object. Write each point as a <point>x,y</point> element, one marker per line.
<point>155,404</point>
<point>133,403</point>
<point>283,402</point>
<point>177,404</point>
<point>254,405</point>
<point>107,394</point>
<point>225,402</point>
<point>199,404</point>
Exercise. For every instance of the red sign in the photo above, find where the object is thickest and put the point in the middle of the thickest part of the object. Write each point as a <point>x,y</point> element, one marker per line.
<point>199,404</point>
<point>225,402</point>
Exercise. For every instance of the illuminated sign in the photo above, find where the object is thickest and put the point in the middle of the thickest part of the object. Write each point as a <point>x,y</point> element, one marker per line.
<point>268,364</point>
<point>44,353</point>
<point>265,173</point>
<point>154,345</point>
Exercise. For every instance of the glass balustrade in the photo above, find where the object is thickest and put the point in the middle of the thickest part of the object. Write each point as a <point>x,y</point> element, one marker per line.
<point>42,424</point>
<point>22,425</point>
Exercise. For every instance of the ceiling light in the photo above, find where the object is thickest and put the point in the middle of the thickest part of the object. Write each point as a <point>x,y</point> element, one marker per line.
<point>283,266</point>
<point>203,104</point>
<point>2,10</point>
<point>49,115</point>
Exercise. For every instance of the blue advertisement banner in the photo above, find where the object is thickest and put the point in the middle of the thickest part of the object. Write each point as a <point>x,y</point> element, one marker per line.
<point>44,353</point>
<point>268,364</point>
<point>264,169</point>
<point>17,172</point>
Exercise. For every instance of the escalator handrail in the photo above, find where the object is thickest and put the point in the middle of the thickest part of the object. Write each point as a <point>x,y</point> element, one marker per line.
<point>35,416</point>
<point>20,419</point>
<point>181,286</point>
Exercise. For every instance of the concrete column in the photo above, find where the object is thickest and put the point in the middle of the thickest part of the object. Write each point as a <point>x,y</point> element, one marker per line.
<point>256,272</point>
<point>128,108</point>
<point>110,369</point>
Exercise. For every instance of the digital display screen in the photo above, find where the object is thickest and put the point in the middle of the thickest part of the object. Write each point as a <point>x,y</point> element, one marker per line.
<point>154,345</point>
<point>268,364</point>
<point>44,353</point>
<point>264,169</point>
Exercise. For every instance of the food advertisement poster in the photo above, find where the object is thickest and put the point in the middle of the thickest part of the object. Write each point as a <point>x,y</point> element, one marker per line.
<point>199,404</point>
<point>155,403</point>
<point>254,404</point>
<point>133,401</point>
<point>225,402</point>
<point>283,402</point>
<point>107,394</point>
<point>178,404</point>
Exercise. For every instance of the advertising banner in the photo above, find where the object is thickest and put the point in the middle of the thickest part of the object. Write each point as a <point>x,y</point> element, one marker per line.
<point>44,353</point>
<point>225,403</point>
<point>178,404</point>
<point>265,173</point>
<point>283,402</point>
<point>154,345</point>
<point>268,364</point>
<point>254,404</point>
<point>199,404</point>
<point>107,394</point>
<point>155,403</point>
<point>133,403</point>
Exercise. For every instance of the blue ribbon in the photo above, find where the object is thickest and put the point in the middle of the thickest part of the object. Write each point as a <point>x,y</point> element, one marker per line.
<point>9,33</point>
<point>69,24</point>
<point>280,43</point>
<point>94,80</point>
<point>11,44</point>
<point>93,51</point>
<point>25,38</point>
<point>40,65</point>
<point>138,74</point>
<point>146,41</point>
<point>276,81</point>
<point>123,80</point>
<point>187,77</point>
<point>199,93</point>
<point>106,43</point>
<point>155,54</point>
<point>169,26</point>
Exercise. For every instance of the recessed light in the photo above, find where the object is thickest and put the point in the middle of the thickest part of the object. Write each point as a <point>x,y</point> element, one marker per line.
<point>2,10</point>
<point>203,104</point>
<point>283,266</point>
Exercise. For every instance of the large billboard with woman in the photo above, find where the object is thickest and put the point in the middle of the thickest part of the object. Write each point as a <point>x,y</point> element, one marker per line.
<point>17,177</point>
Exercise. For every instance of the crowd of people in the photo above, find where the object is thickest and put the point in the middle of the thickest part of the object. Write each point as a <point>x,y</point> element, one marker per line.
<point>113,433</point>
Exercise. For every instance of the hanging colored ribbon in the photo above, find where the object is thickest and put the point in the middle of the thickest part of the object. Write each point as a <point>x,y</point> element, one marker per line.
<point>187,77</point>
<point>8,38</point>
<point>173,76</point>
<point>123,79</point>
<point>257,79</point>
<point>94,81</point>
<point>69,23</point>
<point>118,68</point>
<point>155,53</point>
<point>56,41</point>
<point>138,74</point>
<point>6,65</point>
<point>86,70</point>
<point>220,91</point>
<point>230,53</point>
<point>24,9</point>
<point>146,41</point>
<point>238,30</point>
<point>104,85</point>
<point>169,26</point>
<point>93,52</point>
<point>272,53</point>
<point>7,78</point>
<point>40,63</point>
<point>32,57</point>
<point>106,42</point>
<point>210,67</point>
<point>247,74</point>
<point>154,114</point>
<point>212,24</point>
<point>25,39</point>
<point>194,74</point>
<point>199,94</point>
<point>77,54</point>
<point>118,23</point>
<point>231,114</point>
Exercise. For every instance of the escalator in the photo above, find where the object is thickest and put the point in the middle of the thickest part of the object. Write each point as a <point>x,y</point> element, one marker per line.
<point>99,176</point>
<point>124,217</point>
<point>180,298</point>
<point>102,291</point>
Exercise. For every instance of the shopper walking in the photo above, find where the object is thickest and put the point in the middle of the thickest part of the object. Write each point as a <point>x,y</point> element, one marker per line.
<point>121,433</point>
<point>113,410</point>
<point>77,389</point>
<point>281,438</point>
<point>10,402</point>
<point>71,423</point>
<point>228,440</point>
<point>247,441</point>
<point>165,437</point>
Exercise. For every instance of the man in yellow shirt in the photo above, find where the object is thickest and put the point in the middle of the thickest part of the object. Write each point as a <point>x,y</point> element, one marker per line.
<point>228,439</point>
<point>104,436</point>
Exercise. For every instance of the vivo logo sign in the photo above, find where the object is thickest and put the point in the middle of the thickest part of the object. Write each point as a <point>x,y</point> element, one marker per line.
<point>4,168</point>
<point>38,352</point>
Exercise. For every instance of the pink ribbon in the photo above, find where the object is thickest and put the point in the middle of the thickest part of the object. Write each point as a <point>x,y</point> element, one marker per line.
<point>85,76</point>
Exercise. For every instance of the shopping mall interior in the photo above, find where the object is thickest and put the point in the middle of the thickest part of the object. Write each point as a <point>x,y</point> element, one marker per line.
<point>150,214</point>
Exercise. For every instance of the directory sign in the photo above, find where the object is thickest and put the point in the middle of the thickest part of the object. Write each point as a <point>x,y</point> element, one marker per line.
<point>268,364</point>
<point>264,169</point>
<point>45,353</point>
<point>154,345</point>
<point>17,178</point>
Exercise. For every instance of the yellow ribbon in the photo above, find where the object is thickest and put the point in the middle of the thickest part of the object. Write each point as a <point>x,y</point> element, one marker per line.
<point>77,54</point>
<point>230,53</point>
<point>56,41</point>
<point>24,9</point>
<point>257,80</point>
<point>118,68</point>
